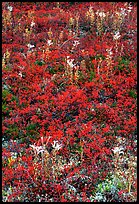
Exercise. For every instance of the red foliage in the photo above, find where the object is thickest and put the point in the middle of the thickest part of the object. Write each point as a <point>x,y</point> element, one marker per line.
<point>49,101</point>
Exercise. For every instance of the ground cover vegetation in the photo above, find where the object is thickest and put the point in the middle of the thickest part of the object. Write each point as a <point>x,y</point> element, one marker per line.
<point>69,93</point>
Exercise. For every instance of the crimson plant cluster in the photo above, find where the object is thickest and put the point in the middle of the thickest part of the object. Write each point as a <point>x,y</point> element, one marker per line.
<point>69,91</point>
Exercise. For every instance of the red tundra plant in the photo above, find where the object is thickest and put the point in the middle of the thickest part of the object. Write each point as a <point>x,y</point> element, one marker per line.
<point>69,100</point>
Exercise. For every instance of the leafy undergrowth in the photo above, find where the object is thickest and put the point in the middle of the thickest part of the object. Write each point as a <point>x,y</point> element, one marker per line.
<point>69,101</point>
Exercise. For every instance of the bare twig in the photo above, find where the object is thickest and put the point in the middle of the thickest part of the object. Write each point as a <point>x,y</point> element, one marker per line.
<point>67,41</point>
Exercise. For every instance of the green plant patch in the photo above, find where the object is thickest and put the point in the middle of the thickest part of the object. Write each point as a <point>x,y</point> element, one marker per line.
<point>11,132</point>
<point>5,93</point>
<point>125,61</point>
<point>82,77</point>
<point>24,87</point>
<point>23,105</point>
<point>7,68</point>
<point>92,76</point>
<point>40,63</point>
<point>32,126</point>
<point>90,116</point>
<point>116,128</point>
<point>79,149</point>
<point>60,68</point>
<point>110,185</point>
<point>32,131</point>
<point>110,86</point>
<point>5,108</point>
<point>89,99</point>
<point>75,147</point>
<point>52,70</point>
<point>114,104</point>
<point>132,94</point>
<point>14,98</point>
<point>124,64</point>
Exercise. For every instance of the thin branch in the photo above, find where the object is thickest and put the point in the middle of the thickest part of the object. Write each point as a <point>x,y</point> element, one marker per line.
<point>68,40</point>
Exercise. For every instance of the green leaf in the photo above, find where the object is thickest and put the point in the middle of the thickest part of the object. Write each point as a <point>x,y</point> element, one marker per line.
<point>92,75</point>
<point>132,94</point>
